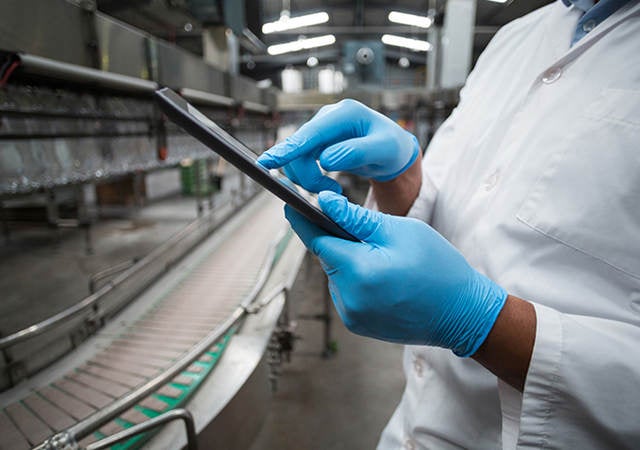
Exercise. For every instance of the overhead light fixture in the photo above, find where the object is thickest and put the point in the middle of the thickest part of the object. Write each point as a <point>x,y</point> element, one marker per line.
<point>499,1</point>
<point>301,44</point>
<point>289,23</point>
<point>410,19</point>
<point>413,44</point>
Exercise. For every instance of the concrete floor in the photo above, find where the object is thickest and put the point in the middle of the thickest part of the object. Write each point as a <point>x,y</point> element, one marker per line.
<point>342,402</point>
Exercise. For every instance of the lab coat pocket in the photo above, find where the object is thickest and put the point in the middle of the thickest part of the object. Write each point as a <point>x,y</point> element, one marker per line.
<point>588,194</point>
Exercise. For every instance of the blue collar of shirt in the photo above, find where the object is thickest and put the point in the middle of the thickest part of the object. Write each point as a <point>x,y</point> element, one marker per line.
<point>593,14</point>
<point>582,5</point>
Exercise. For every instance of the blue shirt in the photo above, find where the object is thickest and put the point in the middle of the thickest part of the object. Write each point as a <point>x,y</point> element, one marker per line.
<point>594,14</point>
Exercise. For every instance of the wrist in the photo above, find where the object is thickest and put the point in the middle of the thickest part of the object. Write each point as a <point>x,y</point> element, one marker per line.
<point>507,350</point>
<point>414,155</point>
<point>396,196</point>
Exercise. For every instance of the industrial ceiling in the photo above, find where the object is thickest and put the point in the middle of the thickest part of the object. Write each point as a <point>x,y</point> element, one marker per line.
<point>181,21</point>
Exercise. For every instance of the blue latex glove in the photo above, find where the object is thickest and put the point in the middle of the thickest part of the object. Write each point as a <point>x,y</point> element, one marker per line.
<point>346,136</point>
<point>404,282</point>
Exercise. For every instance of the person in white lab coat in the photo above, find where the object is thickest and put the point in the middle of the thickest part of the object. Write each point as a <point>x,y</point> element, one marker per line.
<point>530,263</point>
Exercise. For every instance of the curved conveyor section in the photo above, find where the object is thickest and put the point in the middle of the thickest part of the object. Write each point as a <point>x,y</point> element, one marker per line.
<point>161,327</point>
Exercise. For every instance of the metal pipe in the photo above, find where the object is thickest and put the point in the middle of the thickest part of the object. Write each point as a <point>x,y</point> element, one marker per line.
<point>169,416</point>
<point>53,321</point>
<point>70,135</point>
<point>38,65</point>
<point>73,115</point>
<point>256,107</point>
<point>109,271</point>
<point>272,295</point>
<point>206,98</point>
<point>104,415</point>
<point>255,44</point>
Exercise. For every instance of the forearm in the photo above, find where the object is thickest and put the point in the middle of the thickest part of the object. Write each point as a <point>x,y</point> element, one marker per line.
<point>396,196</point>
<point>508,348</point>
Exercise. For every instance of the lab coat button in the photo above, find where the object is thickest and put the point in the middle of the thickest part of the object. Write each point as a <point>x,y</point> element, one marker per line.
<point>492,181</point>
<point>589,25</point>
<point>551,75</point>
<point>409,444</point>
<point>417,367</point>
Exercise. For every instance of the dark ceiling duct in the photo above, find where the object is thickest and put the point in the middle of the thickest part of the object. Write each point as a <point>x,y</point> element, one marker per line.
<point>114,6</point>
<point>206,11</point>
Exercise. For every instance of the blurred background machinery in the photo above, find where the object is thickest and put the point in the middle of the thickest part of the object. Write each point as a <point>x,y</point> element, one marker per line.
<point>133,259</point>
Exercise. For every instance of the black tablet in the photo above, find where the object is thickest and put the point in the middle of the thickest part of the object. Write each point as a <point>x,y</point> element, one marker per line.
<point>206,131</point>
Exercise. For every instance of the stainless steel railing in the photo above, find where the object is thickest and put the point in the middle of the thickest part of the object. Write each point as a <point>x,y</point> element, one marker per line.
<point>162,419</point>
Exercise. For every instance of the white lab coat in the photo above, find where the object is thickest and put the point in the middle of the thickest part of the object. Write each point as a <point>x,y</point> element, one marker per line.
<point>535,178</point>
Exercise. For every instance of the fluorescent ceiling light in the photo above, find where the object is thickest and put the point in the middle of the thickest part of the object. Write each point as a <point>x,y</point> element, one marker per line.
<point>301,44</point>
<point>413,44</point>
<point>289,23</point>
<point>499,1</point>
<point>410,19</point>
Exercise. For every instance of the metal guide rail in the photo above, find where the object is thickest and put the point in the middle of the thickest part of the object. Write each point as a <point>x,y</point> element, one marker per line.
<point>160,359</point>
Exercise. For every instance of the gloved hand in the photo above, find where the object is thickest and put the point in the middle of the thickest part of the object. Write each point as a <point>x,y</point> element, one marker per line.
<point>404,282</point>
<point>346,136</point>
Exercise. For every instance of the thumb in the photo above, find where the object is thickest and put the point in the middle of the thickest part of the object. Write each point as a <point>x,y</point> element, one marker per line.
<point>332,251</point>
<point>360,222</point>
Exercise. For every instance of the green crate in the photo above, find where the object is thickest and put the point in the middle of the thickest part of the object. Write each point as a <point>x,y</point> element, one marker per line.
<point>195,179</point>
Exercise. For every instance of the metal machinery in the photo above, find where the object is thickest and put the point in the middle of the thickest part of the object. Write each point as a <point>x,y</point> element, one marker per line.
<point>76,110</point>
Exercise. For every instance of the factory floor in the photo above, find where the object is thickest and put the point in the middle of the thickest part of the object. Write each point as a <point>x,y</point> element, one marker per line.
<point>335,403</point>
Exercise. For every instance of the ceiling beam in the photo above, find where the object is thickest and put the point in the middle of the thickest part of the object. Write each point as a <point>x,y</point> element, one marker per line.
<point>293,58</point>
<point>325,56</point>
<point>414,57</point>
<point>380,29</point>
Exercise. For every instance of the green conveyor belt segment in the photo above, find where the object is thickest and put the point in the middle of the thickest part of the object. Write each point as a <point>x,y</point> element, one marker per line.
<point>215,353</point>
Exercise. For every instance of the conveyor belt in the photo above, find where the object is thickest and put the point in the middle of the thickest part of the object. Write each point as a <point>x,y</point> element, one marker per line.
<point>202,300</point>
